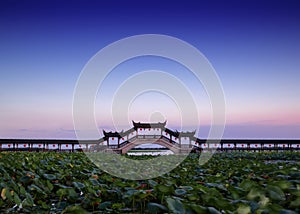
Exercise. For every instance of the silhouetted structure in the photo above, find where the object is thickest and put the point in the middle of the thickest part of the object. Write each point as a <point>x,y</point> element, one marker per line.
<point>147,133</point>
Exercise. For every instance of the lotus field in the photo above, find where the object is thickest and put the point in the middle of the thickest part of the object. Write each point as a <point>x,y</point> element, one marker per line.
<point>236,182</point>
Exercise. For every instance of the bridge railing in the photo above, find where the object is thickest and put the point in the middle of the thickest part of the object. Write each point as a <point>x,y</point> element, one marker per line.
<point>155,137</point>
<point>73,145</point>
<point>124,143</point>
<point>148,136</point>
<point>168,139</point>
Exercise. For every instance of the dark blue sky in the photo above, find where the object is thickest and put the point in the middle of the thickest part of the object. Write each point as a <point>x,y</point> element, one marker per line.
<point>254,47</point>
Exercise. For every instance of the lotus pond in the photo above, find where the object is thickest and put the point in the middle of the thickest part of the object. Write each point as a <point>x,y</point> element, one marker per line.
<point>237,182</point>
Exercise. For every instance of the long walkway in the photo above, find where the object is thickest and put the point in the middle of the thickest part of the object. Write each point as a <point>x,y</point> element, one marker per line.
<point>148,133</point>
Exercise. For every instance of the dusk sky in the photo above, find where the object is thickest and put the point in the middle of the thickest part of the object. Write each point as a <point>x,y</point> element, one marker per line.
<point>254,47</point>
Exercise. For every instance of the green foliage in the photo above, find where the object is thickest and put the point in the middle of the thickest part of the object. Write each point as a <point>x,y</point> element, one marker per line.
<point>237,182</point>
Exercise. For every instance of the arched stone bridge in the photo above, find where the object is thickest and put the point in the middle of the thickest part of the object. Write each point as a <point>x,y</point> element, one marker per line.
<point>148,133</point>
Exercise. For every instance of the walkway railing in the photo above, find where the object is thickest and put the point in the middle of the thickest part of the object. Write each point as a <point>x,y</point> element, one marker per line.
<point>202,144</point>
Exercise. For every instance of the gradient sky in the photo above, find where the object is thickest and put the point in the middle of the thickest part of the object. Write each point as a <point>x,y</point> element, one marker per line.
<point>254,47</point>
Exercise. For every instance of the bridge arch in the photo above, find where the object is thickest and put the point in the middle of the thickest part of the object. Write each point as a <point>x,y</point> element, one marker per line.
<point>160,142</point>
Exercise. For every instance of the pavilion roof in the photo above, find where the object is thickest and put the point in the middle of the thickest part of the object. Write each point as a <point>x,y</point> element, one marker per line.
<point>117,134</point>
<point>149,125</point>
<point>111,134</point>
<point>180,134</point>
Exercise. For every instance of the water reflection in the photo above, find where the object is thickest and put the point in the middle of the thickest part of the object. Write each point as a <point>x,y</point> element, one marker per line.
<point>154,153</point>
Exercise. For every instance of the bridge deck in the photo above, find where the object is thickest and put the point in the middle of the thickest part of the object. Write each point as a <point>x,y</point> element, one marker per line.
<point>91,145</point>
